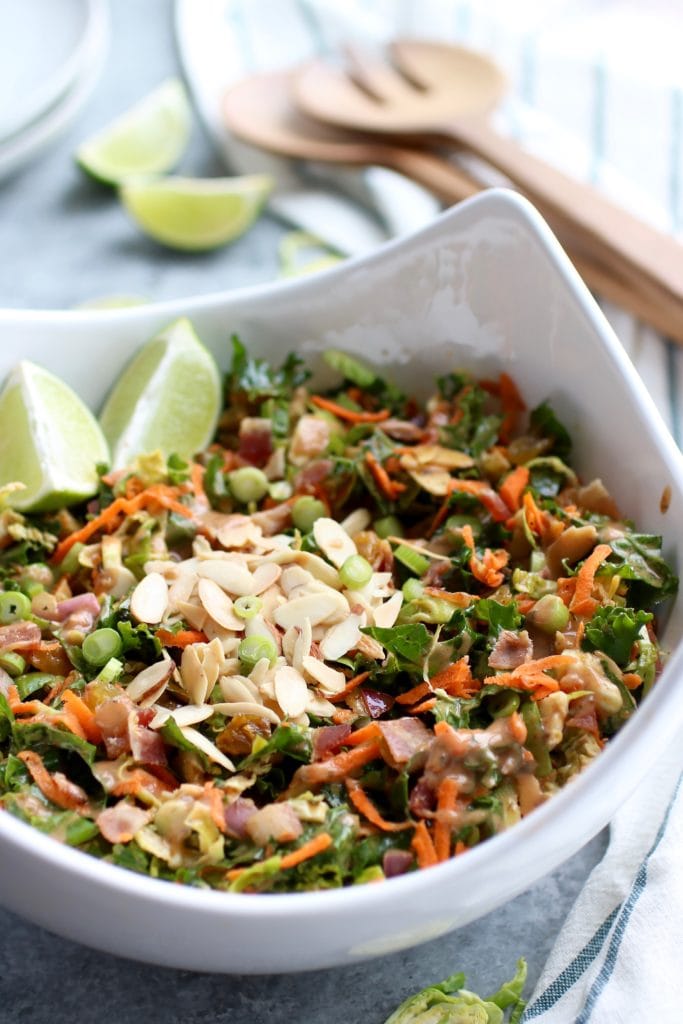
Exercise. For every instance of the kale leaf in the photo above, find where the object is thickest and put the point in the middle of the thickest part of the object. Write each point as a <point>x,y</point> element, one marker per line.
<point>614,630</point>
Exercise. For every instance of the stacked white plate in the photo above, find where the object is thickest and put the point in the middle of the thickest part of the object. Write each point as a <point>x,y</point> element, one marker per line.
<point>51,55</point>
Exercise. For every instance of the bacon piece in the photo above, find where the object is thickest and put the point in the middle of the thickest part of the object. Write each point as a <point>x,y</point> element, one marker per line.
<point>118,824</point>
<point>112,718</point>
<point>310,438</point>
<point>237,814</point>
<point>403,430</point>
<point>328,739</point>
<point>403,738</point>
<point>583,715</point>
<point>147,746</point>
<point>274,821</point>
<point>396,862</point>
<point>81,603</point>
<point>19,635</point>
<point>375,702</point>
<point>309,479</point>
<point>55,786</point>
<point>255,440</point>
<point>511,650</point>
<point>422,798</point>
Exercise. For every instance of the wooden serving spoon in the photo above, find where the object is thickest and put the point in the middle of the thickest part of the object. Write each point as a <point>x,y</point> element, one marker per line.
<point>436,94</point>
<point>259,111</point>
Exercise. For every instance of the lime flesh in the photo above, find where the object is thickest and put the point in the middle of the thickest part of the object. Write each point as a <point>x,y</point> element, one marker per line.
<point>49,441</point>
<point>147,140</point>
<point>168,398</point>
<point>195,214</point>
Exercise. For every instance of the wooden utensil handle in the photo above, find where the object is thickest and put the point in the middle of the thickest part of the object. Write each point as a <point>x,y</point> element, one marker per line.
<point>645,299</point>
<point>613,234</point>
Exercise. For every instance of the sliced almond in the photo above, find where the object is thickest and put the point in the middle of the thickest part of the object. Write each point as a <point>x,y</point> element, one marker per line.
<point>181,590</point>
<point>237,688</point>
<point>433,479</point>
<point>218,605</point>
<point>291,691</point>
<point>356,521</point>
<point>189,715</point>
<point>264,576</point>
<point>207,747</point>
<point>294,576</point>
<point>243,707</point>
<point>231,576</point>
<point>318,567</point>
<point>193,675</point>
<point>341,638</point>
<point>436,455</point>
<point>302,647</point>
<point>260,671</point>
<point>368,646</point>
<point>289,640</point>
<point>193,613</point>
<point>319,706</point>
<point>149,600</point>
<point>239,535</point>
<point>330,679</point>
<point>151,682</point>
<point>333,541</point>
<point>386,614</point>
<point>315,607</point>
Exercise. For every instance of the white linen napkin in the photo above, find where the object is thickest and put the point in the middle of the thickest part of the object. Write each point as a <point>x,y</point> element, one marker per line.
<point>581,66</point>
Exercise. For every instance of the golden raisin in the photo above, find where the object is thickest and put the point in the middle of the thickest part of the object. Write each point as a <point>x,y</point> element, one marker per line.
<point>240,732</point>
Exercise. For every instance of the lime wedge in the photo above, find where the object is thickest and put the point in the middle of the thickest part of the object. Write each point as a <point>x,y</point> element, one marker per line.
<point>167,398</point>
<point>148,139</point>
<point>49,441</point>
<point>197,213</point>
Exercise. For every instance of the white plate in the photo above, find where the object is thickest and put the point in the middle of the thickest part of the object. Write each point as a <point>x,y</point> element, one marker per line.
<point>38,134</point>
<point>43,46</point>
<point>486,286</point>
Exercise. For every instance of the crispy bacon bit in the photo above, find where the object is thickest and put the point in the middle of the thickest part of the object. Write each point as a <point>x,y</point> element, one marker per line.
<point>56,787</point>
<point>147,746</point>
<point>82,603</point>
<point>403,738</point>
<point>274,821</point>
<point>112,718</point>
<point>511,650</point>
<point>583,715</point>
<point>19,635</point>
<point>397,862</point>
<point>311,477</point>
<point>310,438</point>
<point>255,440</point>
<point>118,824</point>
<point>328,739</point>
<point>237,814</point>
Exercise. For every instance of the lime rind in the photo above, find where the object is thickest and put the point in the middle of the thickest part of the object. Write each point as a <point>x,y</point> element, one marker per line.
<point>168,398</point>
<point>49,441</point>
<point>196,214</point>
<point>146,141</point>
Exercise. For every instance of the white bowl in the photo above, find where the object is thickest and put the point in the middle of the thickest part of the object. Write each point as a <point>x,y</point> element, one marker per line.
<point>486,286</point>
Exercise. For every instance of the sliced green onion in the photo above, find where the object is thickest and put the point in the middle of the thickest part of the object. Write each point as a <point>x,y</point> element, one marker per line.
<point>248,484</point>
<point>14,606</point>
<point>32,587</point>
<point>355,572</point>
<point>111,671</point>
<point>550,614</point>
<point>280,490</point>
<point>388,526</point>
<point>32,681</point>
<point>247,607</point>
<point>12,663</point>
<point>253,648</point>
<point>412,559</point>
<point>503,704</point>
<point>350,368</point>
<point>305,511</point>
<point>70,564</point>
<point>535,738</point>
<point>412,589</point>
<point>100,646</point>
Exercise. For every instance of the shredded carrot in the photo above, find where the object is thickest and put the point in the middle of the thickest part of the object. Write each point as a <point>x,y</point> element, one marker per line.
<point>183,638</point>
<point>486,569</point>
<point>524,603</point>
<point>536,519</point>
<point>566,585</point>
<point>318,844</point>
<point>440,515</point>
<point>159,494</point>
<point>513,486</point>
<point>426,705</point>
<point>460,847</point>
<point>517,727</point>
<point>582,603</point>
<point>41,713</point>
<point>632,680</point>
<point>457,597</point>
<point>423,846</point>
<point>417,692</point>
<point>216,806</point>
<point>446,798</point>
<point>82,713</point>
<point>456,679</point>
<point>391,488</point>
<point>350,415</point>
<point>352,685</point>
<point>57,787</point>
<point>368,732</point>
<point>365,806</point>
<point>197,479</point>
<point>140,780</point>
<point>486,495</point>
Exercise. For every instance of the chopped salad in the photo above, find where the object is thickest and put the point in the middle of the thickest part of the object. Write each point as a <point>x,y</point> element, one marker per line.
<point>355,637</point>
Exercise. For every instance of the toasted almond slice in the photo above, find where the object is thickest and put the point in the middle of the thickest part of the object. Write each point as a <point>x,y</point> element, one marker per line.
<point>151,682</point>
<point>341,638</point>
<point>272,598</point>
<point>149,600</point>
<point>315,607</point>
<point>437,455</point>
<point>239,535</point>
<point>419,547</point>
<point>181,590</point>
<point>264,576</point>
<point>356,521</point>
<point>194,679</point>
<point>432,479</point>
<point>333,541</point>
<point>191,714</point>
<point>260,671</point>
<point>258,626</point>
<point>368,646</point>
<point>245,707</point>
<point>385,616</point>
<point>207,747</point>
<point>302,647</point>
<point>294,576</point>
<point>238,688</point>
<point>227,639</point>
<point>218,605</point>
<point>232,577</point>
<point>317,705</point>
<point>291,691</point>
<point>319,568</point>
<point>289,640</point>
<point>331,680</point>
<point>193,613</point>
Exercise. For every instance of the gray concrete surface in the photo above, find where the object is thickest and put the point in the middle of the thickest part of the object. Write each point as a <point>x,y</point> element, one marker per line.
<point>66,240</point>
